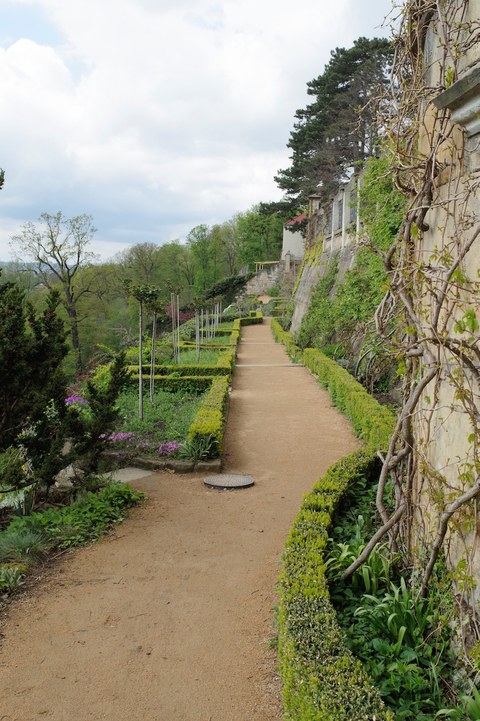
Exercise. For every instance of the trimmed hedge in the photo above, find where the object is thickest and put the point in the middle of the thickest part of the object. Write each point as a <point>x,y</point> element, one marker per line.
<point>210,419</point>
<point>283,336</point>
<point>224,366</point>
<point>372,423</point>
<point>173,384</point>
<point>322,680</point>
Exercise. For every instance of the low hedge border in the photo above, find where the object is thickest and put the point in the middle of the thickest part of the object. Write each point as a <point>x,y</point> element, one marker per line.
<point>284,337</point>
<point>224,366</point>
<point>372,423</point>
<point>322,680</point>
<point>172,384</point>
<point>209,421</point>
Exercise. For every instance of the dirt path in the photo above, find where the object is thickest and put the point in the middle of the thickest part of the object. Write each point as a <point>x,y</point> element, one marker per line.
<point>169,618</point>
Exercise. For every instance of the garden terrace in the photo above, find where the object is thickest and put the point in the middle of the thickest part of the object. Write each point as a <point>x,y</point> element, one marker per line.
<point>197,566</point>
<point>203,441</point>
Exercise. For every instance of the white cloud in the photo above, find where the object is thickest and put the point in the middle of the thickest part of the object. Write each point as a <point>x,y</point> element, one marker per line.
<point>157,115</point>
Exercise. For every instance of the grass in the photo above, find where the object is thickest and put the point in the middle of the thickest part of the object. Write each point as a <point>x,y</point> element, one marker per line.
<point>23,547</point>
<point>207,357</point>
<point>167,420</point>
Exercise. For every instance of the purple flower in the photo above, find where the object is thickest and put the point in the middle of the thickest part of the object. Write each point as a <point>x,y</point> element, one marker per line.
<point>76,399</point>
<point>166,449</point>
<point>121,436</point>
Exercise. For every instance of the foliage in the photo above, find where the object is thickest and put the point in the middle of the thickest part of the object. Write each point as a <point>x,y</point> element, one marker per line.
<point>207,356</point>
<point>58,247</point>
<point>200,448</point>
<point>31,351</point>
<point>468,711</point>
<point>168,419</point>
<point>83,521</point>
<point>12,576</point>
<point>372,422</point>
<point>260,236</point>
<point>32,388</point>
<point>227,288</point>
<point>14,469</point>
<point>340,316</point>
<point>25,546</point>
<point>88,431</point>
<point>282,336</point>
<point>318,325</point>
<point>330,135</point>
<point>321,678</point>
<point>427,313</point>
<point>403,641</point>
<point>382,206</point>
<point>210,419</point>
<point>173,383</point>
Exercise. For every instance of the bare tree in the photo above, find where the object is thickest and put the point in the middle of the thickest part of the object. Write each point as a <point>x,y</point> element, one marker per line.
<point>58,248</point>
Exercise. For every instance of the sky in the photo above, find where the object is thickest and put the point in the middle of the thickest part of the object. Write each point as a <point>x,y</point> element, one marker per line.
<point>154,116</point>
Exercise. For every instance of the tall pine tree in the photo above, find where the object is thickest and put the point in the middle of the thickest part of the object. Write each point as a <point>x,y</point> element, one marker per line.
<point>338,128</point>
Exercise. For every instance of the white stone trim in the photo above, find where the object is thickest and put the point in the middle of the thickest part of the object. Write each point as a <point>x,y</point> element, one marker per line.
<point>463,100</point>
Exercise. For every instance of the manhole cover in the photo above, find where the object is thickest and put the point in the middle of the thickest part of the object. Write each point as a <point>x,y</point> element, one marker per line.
<point>229,480</point>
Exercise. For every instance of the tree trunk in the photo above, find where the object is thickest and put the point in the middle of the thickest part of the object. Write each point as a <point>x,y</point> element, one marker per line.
<point>72,316</point>
<point>140,364</point>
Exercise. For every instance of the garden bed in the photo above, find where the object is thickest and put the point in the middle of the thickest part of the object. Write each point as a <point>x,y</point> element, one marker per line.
<point>165,423</point>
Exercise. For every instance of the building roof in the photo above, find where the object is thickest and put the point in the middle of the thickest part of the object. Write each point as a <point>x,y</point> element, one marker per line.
<point>297,219</point>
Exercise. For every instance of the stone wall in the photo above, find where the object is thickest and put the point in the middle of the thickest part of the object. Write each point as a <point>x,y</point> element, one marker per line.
<point>444,429</point>
<point>269,276</point>
<point>310,276</point>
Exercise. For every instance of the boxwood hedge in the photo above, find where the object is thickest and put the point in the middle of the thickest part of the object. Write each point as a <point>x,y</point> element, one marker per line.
<point>322,681</point>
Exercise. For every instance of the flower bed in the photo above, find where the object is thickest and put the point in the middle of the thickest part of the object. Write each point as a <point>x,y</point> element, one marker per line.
<point>164,426</point>
<point>205,434</point>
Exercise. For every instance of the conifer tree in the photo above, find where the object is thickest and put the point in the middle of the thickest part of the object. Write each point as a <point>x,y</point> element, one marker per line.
<point>338,128</point>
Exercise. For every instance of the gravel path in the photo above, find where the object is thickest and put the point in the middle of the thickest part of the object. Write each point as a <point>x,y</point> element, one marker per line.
<point>170,617</point>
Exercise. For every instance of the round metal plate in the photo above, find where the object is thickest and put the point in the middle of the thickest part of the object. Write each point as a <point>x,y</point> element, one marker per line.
<point>229,480</point>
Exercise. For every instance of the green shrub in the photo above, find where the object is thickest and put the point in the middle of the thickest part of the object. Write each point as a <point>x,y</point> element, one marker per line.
<point>322,681</point>
<point>210,419</point>
<point>224,365</point>
<point>282,336</point>
<point>373,423</point>
<point>200,448</point>
<point>194,384</point>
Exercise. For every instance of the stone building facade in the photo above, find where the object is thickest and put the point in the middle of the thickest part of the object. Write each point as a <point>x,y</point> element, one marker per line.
<point>447,422</point>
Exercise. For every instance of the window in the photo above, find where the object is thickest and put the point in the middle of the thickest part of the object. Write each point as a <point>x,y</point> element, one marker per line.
<point>339,213</point>
<point>329,221</point>
<point>353,207</point>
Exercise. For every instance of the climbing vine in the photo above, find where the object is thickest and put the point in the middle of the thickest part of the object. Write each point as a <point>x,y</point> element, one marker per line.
<point>433,460</point>
<point>340,316</point>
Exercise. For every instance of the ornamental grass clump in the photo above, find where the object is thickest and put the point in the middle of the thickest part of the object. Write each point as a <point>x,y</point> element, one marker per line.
<point>23,546</point>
